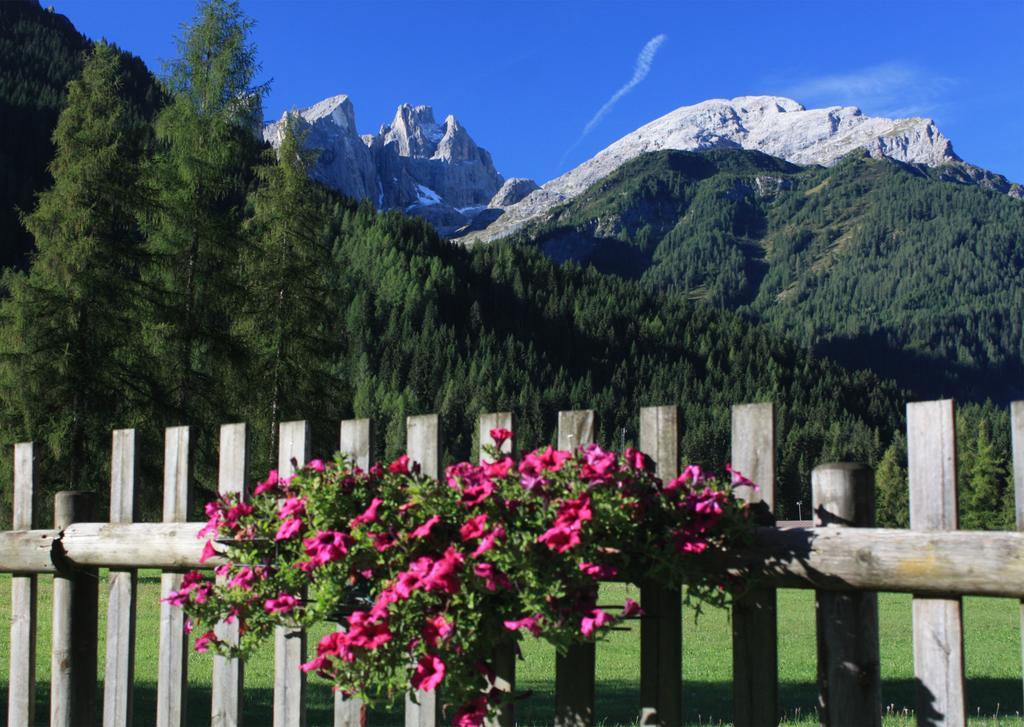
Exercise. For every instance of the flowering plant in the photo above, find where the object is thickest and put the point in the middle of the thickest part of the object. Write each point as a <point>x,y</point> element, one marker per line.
<point>426,576</point>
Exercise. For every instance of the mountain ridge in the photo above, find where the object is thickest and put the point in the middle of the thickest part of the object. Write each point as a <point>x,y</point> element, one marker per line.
<point>775,125</point>
<point>415,164</point>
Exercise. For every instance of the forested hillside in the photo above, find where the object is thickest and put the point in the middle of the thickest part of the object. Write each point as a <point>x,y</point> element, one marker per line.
<point>40,51</point>
<point>185,273</point>
<point>870,262</point>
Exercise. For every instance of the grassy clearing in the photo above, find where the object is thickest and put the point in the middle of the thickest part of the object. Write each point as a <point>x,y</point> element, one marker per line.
<point>992,651</point>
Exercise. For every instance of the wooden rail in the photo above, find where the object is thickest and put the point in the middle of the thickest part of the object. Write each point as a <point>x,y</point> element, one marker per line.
<point>842,557</point>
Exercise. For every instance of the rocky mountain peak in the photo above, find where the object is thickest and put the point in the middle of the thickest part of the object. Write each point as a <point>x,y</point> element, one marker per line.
<point>775,125</point>
<point>414,131</point>
<point>414,163</point>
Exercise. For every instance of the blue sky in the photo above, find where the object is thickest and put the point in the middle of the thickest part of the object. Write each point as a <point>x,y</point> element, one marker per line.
<point>527,78</point>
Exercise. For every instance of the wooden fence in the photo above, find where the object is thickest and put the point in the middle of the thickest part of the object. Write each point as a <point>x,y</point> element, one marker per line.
<point>843,557</point>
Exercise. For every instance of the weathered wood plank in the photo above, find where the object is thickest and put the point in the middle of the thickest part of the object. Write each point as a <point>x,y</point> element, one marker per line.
<point>228,674</point>
<point>424,444</point>
<point>937,623</point>
<point>849,662</point>
<point>119,672</point>
<point>1017,436</point>
<point>74,625</point>
<point>755,660</point>
<point>504,655</point>
<point>290,644</point>
<point>661,634</point>
<point>575,428</point>
<point>24,552</point>
<point>982,563</point>
<point>574,672</point>
<point>172,674</point>
<point>356,440</point>
<point>21,689</point>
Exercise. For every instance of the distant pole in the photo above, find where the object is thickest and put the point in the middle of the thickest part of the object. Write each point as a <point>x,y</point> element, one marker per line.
<point>799,510</point>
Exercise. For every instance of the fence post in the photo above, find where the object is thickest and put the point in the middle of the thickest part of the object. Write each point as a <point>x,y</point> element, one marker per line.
<point>755,662</point>
<point>1017,427</point>
<point>661,633</point>
<point>356,439</point>
<point>229,674</point>
<point>423,444</point>
<point>849,672</point>
<point>119,675</point>
<point>21,686</point>
<point>504,655</point>
<point>574,672</point>
<point>75,621</point>
<point>938,626</point>
<point>172,679</point>
<point>289,643</point>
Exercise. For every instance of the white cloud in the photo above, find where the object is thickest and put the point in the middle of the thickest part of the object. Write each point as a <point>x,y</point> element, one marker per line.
<point>887,89</point>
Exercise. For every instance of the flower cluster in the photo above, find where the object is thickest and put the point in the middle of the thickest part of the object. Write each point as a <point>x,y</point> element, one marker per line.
<point>425,577</point>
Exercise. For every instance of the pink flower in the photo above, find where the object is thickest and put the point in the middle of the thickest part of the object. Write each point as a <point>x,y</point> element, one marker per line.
<point>284,603</point>
<point>369,514</point>
<point>594,620</point>
<point>400,466</point>
<point>434,629</point>
<point>631,608</point>
<point>367,632</point>
<point>423,530</point>
<point>326,546</point>
<point>564,534</point>
<point>203,642</point>
<point>443,574</point>
<point>493,578</point>
<point>688,542</point>
<point>474,527</point>
<point>268,484</point>
<point>500,436</point>
<point>599,571</point>
<point>472,714</point>
<point>208,552</point>
<point>598,465</point>
<point>292,506</point>
<point>691,477</point>
<point>738,479</point>
<point>501,468</point>
<point>244,579</point>
<point>317,465</point>
<point>530,623</point>
<point>635,459</point>
<point>289,529</point>
<point>429,673</point>
<point>488,541</point>
<point>382,541</point>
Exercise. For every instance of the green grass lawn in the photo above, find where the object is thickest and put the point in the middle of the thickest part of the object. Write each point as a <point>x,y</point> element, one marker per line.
<point>992,649</point>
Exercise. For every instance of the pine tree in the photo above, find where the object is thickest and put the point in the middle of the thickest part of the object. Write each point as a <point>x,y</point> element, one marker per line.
<point>986,479</point>
<point>69,367</point>
<point>892,487</point>
<point>287,318</point>
<point>206,145</point>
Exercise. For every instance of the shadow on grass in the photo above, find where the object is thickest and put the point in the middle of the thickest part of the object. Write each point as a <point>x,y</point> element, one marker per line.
<point>617,703</point>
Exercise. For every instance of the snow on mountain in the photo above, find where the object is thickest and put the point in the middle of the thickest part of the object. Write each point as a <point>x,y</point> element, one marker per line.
<point>774,125</point>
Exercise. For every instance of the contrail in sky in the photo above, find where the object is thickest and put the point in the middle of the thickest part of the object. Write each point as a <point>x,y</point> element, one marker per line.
<point>640,71</point>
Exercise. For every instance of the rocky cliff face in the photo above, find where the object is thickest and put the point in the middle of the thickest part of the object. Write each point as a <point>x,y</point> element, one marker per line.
<point>774,125</point>
<point>414,164</point>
